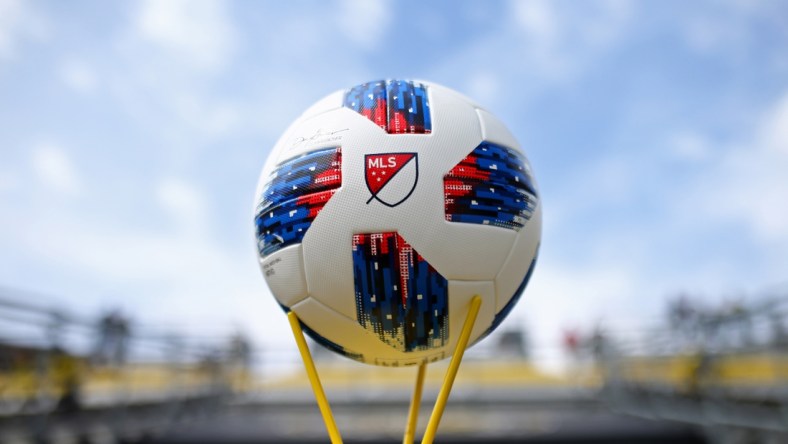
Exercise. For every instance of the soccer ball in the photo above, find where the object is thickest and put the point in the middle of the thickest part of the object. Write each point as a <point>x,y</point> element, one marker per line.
<point>384,209</point>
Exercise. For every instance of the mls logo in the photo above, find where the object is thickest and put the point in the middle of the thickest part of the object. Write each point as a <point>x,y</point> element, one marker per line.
<point>391,177</point>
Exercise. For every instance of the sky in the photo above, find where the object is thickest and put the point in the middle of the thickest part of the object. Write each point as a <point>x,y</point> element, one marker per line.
<point>132,135</point>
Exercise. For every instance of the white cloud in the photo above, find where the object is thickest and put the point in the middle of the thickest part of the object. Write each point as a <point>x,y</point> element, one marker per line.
<point>558,30</point>
<point>54,169</point>
<point>690,147</point>
<point>185,205</point>
<point>170,276</point>
<point>704,34</point>
<point>8,181</point>
<point>18,21</point>
<point>78,76</point>
<point>541,45</point>
<point>747,182</point>
<point>179,197</point>
<point>727,29</point>
<point>10,11</point>
<point>175,274</point>
<point>561,297</point>
<point>199,32</point>
<point>172,53</point>
<point>756,177</point>
<point>364,22</point>
<point>212,118</point>
<point>538,19</point>
<point>774,131</point>
<point>579,295</point>
<point>483,86</point>
<point>626,269</point>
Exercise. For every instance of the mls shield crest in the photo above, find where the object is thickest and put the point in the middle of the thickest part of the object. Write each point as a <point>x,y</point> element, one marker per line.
<point>391,177</point>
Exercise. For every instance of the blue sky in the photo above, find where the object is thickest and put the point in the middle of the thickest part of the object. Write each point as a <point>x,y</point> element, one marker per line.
<point>133,134</point>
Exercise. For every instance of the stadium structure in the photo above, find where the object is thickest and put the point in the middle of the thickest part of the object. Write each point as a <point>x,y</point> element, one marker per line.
<point>704,374</point>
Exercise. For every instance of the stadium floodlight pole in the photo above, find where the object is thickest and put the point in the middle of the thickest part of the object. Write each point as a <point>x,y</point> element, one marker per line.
<point>314,379</point>
<point>451,373</point>
<point>415,401</point>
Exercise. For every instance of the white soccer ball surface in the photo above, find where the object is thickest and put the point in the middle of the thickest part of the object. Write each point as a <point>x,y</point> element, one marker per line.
<point>384,209</point>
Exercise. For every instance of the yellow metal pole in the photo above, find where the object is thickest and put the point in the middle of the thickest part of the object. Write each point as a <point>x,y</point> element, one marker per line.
<point>413,413</point>
<point>314,379</point>
<point>451,373</point>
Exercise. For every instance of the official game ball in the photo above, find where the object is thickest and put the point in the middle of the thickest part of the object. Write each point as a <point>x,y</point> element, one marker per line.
<point>384,208</point>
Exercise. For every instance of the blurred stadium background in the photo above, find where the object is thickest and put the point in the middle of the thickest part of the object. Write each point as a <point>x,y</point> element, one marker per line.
<point>131,139</point>
<point>702,374</point>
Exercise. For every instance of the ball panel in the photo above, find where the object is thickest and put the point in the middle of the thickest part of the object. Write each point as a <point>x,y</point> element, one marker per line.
<point>493,130</point>
<point>408,107</point>
<point>325,130</point>
<point>333,346</point>
<point>403,361</point>
<point>520,259</point>
<point>284,273</point>
<point>460,295</point>
<point>274,158</point>
<point>507,308</point>
<point>491,186</point>
<point>369,100</point>
<point>343,336</point>
<point>350,210</point>
<point>296,192</point>
<point>467,251</point>
<point>399,296</point>
<point>397,106</point>
<point>357,343</point>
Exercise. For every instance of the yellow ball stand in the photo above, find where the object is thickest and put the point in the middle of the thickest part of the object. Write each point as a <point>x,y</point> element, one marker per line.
<point>413,413</point>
